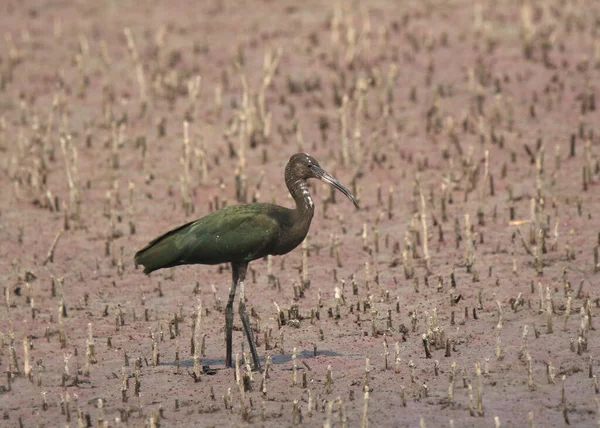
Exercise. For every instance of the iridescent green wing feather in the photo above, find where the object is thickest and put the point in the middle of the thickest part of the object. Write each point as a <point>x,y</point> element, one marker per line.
<point>238,233</point>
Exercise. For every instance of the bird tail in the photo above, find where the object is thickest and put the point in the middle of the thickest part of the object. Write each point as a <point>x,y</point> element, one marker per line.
<point>162,252</point>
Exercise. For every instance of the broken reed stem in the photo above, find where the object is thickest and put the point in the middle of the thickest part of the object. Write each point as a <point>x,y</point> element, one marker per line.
<point>139,70</point>
<point>567,313</point>
<point>444,202</point>
<point>155,352</point>
<point>26,365</point>
<point>451,386</point>
<point>524,342</point>
<point>500,313</point>
<point>471,406</point>
<point>124,384</point>
<point>386,353</point>
<point>270,66</point>
<point>305,280</point>
<point>342,413</point>
<point>549,328</point>
<point>480,411</point>
<point>50,256</point>
<point>241,185</point>
<point>328,414</point>
<point>550,373</point>
<point>248,374</point>
<point>90,353</point>
<point>390,205</point>
<point>136,374</point>
<point>66,374</point>
<point>407,257</point>
<point>486,177</point>
<point>554,246</point>
<point>241,389</point>
<point>360,96</point>
<point>197,345</point>
<point>202,157</point>
<point>294,367</point>
<point>426,346</point>
<point>115,145</point>
<point>344,130</point>
<point>193,88</point>
<point>530,383</point>
<point>185,177</point>
<point>90,345</point>
<point>425,235</point>
<point>499,355</point>
<point>61,327</point>
<point>72,172</point>
<point>365,418</point>
<point>469,250</point>
<point>366,375</point>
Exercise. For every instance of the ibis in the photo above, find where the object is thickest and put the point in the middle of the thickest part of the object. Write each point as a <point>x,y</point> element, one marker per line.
<point>240,234</point>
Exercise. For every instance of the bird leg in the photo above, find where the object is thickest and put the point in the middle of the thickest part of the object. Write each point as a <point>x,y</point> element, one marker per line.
<point>242,268</point>
<point>229,316</point>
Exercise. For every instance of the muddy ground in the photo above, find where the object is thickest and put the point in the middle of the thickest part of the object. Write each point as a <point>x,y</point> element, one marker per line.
<point>468,130</point>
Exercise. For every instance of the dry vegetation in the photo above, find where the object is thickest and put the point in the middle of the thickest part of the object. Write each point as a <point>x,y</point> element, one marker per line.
<point>463,293</point>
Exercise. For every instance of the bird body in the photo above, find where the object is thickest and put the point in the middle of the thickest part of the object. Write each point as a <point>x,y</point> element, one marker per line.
<point>240,234</point>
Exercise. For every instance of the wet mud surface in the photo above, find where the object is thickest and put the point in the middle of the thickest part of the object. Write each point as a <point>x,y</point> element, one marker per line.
<point>468,131</point>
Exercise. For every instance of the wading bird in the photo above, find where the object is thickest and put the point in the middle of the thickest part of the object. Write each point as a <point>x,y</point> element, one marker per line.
<point>241,233</point>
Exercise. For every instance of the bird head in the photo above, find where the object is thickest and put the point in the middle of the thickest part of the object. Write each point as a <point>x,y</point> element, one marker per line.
<point>304,166</point>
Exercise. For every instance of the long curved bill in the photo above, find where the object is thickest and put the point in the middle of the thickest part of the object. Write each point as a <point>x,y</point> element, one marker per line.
<point>323,175</point>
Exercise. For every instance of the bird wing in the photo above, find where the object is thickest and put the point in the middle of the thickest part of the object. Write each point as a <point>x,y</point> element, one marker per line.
<point>235,234</point>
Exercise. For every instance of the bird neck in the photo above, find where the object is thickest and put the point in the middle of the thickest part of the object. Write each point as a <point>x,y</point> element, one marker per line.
<point>305,209</point>
<point>298,188</point>
<point>305,205</point>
